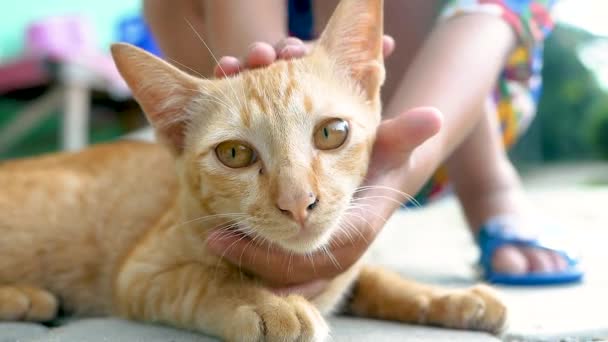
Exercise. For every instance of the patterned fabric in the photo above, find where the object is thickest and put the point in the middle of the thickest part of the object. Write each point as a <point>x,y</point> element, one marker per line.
<point>518,89</point>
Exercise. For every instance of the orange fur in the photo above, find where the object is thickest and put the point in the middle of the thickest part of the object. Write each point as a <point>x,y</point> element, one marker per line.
<point>121,228</point>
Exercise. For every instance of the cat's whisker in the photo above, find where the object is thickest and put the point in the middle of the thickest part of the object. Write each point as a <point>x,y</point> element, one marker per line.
<point>268,254</point>
<point>231,101</point>
<point>356,200</point>
<point>331,257</point>
<point>365,206</point>
<point>238,232</point>
<point>209,95</point>
<point>212,100</point>
<point>374,195</point>
<point>344,229</point>
<point>361,218</point>
<point>227,226</point>
<point>256,241</point>
<point>226,230</point>
<point>240,263</point>
<point>354,228</point>
<point>217,62</point>
<point>405,195</point>
<point>173,60</point>
<point>360,204</point>
<point>338,242</point>
<point>228,248</point>
<point>312,261</point>
<point>381,187</point>
<point>354,207</point>
<point>231,106</point>
<point>290,265</point>
<point>346,221</point>
<point>208,217</point>
<point>338,237</point>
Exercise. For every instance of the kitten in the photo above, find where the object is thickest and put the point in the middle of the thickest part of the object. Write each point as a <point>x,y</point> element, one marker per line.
<point>120,229</point>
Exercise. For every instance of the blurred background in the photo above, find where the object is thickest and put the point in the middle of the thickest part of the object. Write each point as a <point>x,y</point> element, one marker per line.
<point>58,89</point>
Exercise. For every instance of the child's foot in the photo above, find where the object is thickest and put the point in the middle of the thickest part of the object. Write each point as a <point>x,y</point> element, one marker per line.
<point>511,258</point>
<point>512,242</point>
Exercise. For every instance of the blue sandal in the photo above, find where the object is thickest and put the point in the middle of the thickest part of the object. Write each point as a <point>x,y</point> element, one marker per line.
<point>500,231</point>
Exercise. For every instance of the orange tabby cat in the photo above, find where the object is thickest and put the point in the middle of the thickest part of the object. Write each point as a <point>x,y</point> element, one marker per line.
<point>120,229</point>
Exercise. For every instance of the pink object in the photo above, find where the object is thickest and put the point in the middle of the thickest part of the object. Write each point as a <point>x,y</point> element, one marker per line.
<point>61,37</point>
<point>67,40</point>
<point>23,73</point>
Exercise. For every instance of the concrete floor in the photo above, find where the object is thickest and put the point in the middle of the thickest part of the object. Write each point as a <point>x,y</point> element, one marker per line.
<point>436,247</point>
<point>432,245</point>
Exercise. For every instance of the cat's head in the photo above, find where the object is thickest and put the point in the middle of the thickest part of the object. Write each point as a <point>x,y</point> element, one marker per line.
<point>283,148</point>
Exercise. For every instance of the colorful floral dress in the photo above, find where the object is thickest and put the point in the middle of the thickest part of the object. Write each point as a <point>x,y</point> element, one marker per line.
<point>518,89</point>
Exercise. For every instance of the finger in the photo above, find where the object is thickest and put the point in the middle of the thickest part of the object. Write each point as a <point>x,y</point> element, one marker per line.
<point>290,41</point>
<point>409,130</point>
<point>227,66</point>
<point>307,290</point>
<point>260,55</point>
<point>293,51</point>
<point>292,47</point>
<point>396,139</point>
<point>388,45</point>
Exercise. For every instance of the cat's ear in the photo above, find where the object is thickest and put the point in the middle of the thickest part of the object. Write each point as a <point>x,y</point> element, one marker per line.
<point>353,36</point>
<point>162,90</point>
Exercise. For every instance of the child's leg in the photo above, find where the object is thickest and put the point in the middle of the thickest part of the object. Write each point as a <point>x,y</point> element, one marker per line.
<point>176,39</point>
<point>488,185</point>
<point>227,28</point>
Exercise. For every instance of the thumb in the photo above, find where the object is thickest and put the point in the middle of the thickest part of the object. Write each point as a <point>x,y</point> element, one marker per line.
<point>410,129</point>
<point>397,138</point>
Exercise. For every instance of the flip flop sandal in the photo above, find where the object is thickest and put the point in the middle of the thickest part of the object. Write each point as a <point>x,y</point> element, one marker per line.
<point>505,230</point>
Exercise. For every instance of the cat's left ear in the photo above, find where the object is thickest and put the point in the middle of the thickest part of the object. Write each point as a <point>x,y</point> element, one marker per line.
<point>162,90</point>
<point>353,36</point>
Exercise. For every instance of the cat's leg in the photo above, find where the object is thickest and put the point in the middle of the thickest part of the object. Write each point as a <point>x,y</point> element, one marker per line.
<point>386,295</point>
<point>224,304</point>
<point>26,303</point>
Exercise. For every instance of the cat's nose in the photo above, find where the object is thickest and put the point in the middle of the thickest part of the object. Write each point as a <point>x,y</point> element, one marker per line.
<point>298,207</point>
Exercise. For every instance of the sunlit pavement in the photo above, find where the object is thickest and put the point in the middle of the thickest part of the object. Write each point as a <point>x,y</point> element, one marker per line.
<point>436,248</point>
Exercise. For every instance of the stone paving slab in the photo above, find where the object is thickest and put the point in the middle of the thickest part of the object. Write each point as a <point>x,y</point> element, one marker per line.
<point>437,248</point>
<point>16,331</point>
<point>344,329</point>
<point>432,245</point>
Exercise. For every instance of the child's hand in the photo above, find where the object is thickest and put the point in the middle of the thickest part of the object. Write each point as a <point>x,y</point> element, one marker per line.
<point>391,159</point>
<point>263,54</point>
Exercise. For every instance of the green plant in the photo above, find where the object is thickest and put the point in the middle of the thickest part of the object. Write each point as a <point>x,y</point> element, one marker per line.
<point>596,127</point>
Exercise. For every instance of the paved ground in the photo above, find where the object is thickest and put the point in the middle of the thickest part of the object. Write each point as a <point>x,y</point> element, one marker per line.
<point>432,245</point>
<point>437,248</point>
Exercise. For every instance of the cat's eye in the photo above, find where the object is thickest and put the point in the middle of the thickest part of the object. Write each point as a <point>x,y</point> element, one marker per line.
<point>331,134</point>
<point>235,154</point>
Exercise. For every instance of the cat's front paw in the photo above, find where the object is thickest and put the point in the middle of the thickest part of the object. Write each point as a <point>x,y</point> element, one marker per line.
<point>289,318</point>
<point>26,303</point>
<point>476,308</point>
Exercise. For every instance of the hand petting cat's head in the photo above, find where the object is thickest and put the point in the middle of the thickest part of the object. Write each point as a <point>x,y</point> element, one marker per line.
<point>282,148</point>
